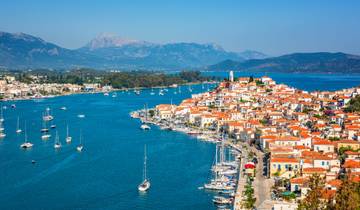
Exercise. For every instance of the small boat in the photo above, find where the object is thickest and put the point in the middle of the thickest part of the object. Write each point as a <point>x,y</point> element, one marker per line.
<point>80,147</point>
<point>63,108</point>
<point>68,138</point>
<point>53,126</point>
<point>45,136</point>
<point>145,184</point>
<point>2,135</point>
<point>57,144</point>
<point>221,200</point>
<point>106,94</point>
<point>137,92</point>
<point>114,95</point>
<point>13,106</point>
<point>81,116</point>
<point>26,143</point>
<point>18,130</point>
<point>145,127</point>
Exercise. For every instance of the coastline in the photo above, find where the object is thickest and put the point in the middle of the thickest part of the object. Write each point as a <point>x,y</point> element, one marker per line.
<point>103,91</point>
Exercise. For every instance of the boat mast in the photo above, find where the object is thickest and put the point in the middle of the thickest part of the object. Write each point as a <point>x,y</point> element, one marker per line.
<point>67,130</point>
<point>25,134</point>
<point>144,175</point>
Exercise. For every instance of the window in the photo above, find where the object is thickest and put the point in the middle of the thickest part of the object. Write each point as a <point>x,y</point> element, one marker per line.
<point>322,163</point>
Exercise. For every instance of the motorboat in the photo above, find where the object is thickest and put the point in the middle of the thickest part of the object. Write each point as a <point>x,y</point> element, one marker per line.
<point>145,127</point>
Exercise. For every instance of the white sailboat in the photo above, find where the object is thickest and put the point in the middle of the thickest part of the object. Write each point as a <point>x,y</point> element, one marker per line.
<point>44,129</point>
<point>26,143</point>
<point>68,137</point>
<point>145,184</point>
<point>47,116</point>
<point>18,130</point>
<point>80,147</point>
<point>1,115</point>
<point>57,144</point>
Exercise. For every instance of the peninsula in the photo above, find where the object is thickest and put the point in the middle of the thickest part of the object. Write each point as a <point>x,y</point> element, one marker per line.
<point>303,145</point>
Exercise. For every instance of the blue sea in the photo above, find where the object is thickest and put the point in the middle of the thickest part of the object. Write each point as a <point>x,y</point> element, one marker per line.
<point>106,174</point>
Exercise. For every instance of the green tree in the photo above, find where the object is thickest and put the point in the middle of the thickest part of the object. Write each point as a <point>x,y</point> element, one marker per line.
<point>348,197</point>
<point>313,200</point>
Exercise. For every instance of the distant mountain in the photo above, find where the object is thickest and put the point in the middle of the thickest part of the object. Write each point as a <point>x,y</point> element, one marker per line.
<point>251,54</point>
<point>20,50</point>
<point>123,52</point>
<point>297,62</point>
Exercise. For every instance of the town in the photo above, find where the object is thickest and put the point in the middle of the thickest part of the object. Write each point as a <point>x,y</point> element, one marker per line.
<point>305,144</point>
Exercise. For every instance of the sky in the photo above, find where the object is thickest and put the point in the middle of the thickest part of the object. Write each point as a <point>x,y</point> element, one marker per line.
<point>273,27</point>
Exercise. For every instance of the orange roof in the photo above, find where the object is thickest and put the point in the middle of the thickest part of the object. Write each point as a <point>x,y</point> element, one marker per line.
<point>351,164</point>
<point>335,182</point>
<point>314,170</point>
<point>299,180</point>
<point>349,152</point>
<point>284,160</point>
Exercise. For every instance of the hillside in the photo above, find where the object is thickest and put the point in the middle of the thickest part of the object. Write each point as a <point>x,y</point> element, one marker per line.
<point>297,62</point>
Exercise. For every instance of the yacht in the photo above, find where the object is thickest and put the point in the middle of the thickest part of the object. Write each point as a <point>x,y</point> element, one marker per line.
<point>53,126</point>
<point>114,95</point>
<point>18,130</point>
<point>106,94</point>
<point>57,144</point>
<point>80,147</point>
<point>63,108</point>
<point>68,138</point>
<point>145,184</point>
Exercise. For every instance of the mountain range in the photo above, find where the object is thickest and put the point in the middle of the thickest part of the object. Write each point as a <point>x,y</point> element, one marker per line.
<point>21,51</point>
<point>323,62</point>
<point>107,51</point>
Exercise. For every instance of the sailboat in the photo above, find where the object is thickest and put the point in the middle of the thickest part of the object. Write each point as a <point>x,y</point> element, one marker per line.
<point>68,138</point>
<point>1,115</point>
<point>144,126</point>
<point>44,129</point>
<point>26,144</point>
<point>47,116</point>
<point>152,92</point>
<point>80,147</point>
<point>145,184</point>
<point>18,130</point>
<point>57,144</point>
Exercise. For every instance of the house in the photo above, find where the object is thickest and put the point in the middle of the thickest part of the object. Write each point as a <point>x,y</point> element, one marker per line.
<point>284,167</point>
<point>354,145</point>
